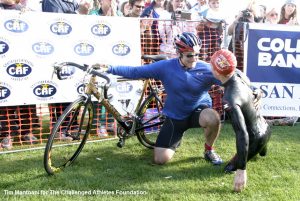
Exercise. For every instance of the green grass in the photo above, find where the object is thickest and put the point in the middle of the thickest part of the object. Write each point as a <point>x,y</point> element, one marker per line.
<point>106,169</point>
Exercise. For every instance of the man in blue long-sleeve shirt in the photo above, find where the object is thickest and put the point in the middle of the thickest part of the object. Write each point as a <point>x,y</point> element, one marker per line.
<point>188,104</point>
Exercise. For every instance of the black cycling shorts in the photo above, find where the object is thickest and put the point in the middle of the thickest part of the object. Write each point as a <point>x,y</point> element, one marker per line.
<point>172,130</point>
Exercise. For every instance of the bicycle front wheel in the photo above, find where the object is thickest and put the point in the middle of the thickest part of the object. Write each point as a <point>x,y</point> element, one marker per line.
<point>68,135</point>
<point>150,118</point>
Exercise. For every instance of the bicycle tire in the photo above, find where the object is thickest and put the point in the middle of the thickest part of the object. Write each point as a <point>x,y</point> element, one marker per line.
<point>68,139</point>
<point>150,119</point>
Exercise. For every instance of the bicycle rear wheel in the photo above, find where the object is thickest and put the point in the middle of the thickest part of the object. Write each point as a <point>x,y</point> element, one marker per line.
<point>68,135</point>
<point>150,119</point>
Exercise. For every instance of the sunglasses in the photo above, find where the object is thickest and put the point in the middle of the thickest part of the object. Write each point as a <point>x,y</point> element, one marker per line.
<point>274,14</point>
<point>142,7</point>
<point>192,55</point>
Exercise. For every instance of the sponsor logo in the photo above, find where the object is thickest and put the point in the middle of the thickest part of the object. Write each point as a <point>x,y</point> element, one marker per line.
<point>16,26</point>
<point>121,49</point>
<point>4,47</point>
<point>67,72</point>
<point>61,28</point>
<point>277,52</point>
<point>44,90</point>
<point>101,29</point>
<point>83,49</point>
<point>5,92</point>
<point>43,48</point>
<point>124,87</point>
<point>19,69</point>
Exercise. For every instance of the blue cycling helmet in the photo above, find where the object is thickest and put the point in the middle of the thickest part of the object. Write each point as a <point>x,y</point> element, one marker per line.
<point>187,42</point>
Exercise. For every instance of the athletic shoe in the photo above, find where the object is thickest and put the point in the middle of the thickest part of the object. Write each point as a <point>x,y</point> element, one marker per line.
<point>6,143</point>
<point>63,136</point>
<point>213,157</point>
<point>29,138</point>
<point>291,121</point>
<point>287,121</point>
<point>102,132</point>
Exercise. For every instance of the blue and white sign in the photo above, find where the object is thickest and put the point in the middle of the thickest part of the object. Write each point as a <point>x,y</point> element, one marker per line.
<point>272,62</point>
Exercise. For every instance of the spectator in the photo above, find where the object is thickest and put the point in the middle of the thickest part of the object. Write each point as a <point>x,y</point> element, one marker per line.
<point>60,6</point>
<point>210,31</point>
<point>177,5</point>
<point>252,14</point>
<point>125,8</point>
<point>106,8</point>
<point>10,5</point>
<point>288,14</point>
<point>157,9</point>
<point>213,11</point>
<point>272,17</point>
<point>263,12</point>
<point>251,129</point>
<point>178,13</point>
<point>136,8</point>
<point>199,7</point>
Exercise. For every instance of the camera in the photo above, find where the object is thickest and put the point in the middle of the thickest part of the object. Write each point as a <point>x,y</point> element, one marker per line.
<point>246,13</point>
<point>178,12</point>
<point>183,15</point>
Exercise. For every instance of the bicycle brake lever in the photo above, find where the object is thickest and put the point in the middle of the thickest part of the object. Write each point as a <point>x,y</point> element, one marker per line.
<point>56,68</point>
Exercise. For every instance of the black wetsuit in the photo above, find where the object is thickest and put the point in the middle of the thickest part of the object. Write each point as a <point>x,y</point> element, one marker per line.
<point>251,130</point>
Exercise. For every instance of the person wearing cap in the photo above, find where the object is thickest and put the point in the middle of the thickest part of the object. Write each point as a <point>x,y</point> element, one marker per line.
<point>187,81</point>
<point>288,14</point>
<point>251,129</point>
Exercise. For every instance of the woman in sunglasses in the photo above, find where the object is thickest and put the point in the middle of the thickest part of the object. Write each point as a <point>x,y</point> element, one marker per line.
<point>188,105</point>
<point>136,8</point>
<point>272,16</point>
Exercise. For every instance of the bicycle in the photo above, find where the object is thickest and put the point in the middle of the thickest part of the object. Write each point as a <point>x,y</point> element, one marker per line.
<point>144,122</point>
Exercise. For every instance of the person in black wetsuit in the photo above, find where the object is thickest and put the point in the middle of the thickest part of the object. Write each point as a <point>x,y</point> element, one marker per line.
<point>251,129</point>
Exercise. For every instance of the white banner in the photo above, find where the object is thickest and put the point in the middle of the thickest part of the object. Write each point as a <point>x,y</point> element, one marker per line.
<point>272,62</point>
<point>32,41</point>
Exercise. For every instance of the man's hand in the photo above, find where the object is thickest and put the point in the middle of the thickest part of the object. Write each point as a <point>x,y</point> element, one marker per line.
<point>102,67</point>
<point>84,8</point>
<point>240,180</point>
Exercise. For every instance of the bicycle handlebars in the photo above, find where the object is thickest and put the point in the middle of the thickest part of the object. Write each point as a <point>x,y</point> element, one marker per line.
<point>90,70</point>
<point>93,71</point>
